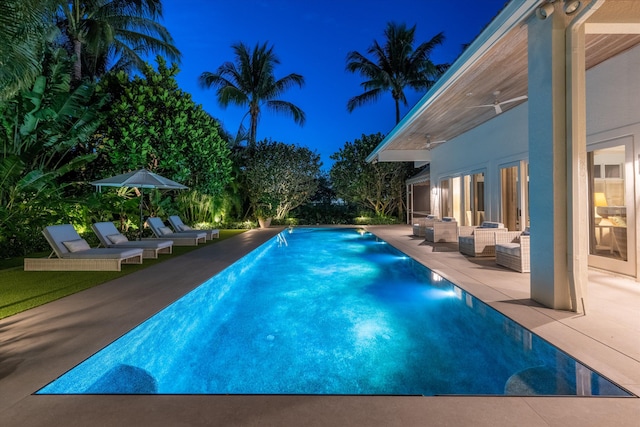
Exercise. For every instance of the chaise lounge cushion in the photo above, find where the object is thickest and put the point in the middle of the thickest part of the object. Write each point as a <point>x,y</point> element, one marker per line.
<point>510,248</point>
<point>491,224</point>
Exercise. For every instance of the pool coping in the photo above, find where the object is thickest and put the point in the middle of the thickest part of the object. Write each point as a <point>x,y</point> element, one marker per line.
<point>43,343</point>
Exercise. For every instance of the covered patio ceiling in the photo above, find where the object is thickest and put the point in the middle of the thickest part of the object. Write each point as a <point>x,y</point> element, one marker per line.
<point>496,70</point>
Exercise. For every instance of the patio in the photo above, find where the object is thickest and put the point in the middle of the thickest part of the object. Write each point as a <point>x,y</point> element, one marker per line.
<point>40,344</point>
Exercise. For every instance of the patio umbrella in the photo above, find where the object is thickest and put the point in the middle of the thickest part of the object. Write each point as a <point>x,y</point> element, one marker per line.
<point>140,179</point>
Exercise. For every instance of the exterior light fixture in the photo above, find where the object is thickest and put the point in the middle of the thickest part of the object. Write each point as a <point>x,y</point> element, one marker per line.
<point>545,11</point>
<point>571,6</point>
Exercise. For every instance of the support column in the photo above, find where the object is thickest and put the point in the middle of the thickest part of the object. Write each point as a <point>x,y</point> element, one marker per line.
<point>548,161</point>
<point>577,168</point>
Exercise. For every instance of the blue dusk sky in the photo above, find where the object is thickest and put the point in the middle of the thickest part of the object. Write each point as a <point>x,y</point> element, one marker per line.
<point>312,38</point>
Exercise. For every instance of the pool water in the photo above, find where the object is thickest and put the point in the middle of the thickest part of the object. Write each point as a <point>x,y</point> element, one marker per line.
<point>330,311</point>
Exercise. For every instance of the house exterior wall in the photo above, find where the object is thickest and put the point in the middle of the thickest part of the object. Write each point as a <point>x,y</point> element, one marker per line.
<point>613,93</point>
<point>613,111</point>
<point>485,148</point>
<point>613,116</point>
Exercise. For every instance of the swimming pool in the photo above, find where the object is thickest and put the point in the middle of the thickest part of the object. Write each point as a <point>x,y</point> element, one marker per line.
<point>330,311</point>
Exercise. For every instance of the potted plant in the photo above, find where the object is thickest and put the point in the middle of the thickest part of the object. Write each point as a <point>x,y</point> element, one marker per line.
<point>264,212</point>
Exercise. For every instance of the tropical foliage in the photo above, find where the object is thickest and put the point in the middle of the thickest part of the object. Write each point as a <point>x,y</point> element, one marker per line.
<point>250,82</point>
<point>44,138</point>
<point>280,177</point>
<point>117,32</point>
<point>151,123</point>
<point>24,31</point>
<point>395,66</point>
<point>376,186</point>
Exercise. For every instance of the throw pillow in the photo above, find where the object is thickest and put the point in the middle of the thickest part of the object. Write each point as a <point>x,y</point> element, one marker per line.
<point>185,228</point>
<point>76,245</point>
<point>117,238</point>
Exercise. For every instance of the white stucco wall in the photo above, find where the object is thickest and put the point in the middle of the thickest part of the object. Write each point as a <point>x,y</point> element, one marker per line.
<point>500,141</point>
<point>613,103</point>
<point>613,93</point>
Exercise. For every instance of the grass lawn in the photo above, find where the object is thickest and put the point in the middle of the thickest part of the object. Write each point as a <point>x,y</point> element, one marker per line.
<point>21,290</point>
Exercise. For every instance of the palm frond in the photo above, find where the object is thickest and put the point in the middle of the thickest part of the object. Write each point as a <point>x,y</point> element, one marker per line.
<point>289,109</point>
<point>364,98</point>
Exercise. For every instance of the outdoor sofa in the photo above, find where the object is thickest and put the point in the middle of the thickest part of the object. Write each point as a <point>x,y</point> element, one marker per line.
<point>480,240</point>
<point>74,253</point>
<point>110,237</point>
<point>513,250</point>
<point>179,226</point>
<point>183,238</point>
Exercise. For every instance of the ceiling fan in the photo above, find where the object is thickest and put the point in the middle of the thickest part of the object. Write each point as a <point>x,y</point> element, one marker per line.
<point>430,144</point>
<point>497,103</point>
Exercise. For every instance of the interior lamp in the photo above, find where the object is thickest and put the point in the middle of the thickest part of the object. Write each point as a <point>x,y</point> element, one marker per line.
<point>599,200</point>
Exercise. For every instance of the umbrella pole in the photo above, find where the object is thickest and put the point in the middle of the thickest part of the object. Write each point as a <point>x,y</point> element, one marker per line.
<point>141,216</point>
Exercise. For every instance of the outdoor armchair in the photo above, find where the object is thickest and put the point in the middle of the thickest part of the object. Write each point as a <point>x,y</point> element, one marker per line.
<point>479,241</point>
<point>445,230</point>
<point>420,224</point>
<point>513,250</point>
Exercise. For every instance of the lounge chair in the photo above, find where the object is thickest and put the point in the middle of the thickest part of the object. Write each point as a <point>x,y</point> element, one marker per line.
<point>479,241</point>
<point>110,237</point>
<point>183,238</point>
<point>74,254</point>
<point>179,226</point>
<point>445,230</point>
<point>513,250</point>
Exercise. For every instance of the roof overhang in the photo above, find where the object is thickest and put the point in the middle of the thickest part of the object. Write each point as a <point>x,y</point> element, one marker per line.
<point>496,63</point>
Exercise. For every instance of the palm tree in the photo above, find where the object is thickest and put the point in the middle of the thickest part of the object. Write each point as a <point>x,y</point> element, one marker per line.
<point>100,31</point>
<point>395,66</point>
<point>250,82</point>
<point>24,27</point>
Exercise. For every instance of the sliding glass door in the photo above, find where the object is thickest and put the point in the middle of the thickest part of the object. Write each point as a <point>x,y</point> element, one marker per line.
<point>514,195</point>
<point>445,198</point>
<point>611,210</point>
<point>473,188</point>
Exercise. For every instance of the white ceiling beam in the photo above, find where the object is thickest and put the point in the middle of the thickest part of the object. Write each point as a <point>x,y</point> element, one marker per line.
<point>612,28</point>
<point>404,156</point>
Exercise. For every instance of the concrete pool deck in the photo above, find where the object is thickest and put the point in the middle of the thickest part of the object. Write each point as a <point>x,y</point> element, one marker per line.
<point>40,344</point>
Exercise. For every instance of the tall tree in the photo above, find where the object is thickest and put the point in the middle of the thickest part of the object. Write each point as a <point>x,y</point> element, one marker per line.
<point>151,123</point>
<point>100,31</point>
<point>44,135</point>
<point>280,177</point>
<point>24,26</point>
<point>378,186</point>
<point>395,66</point>
<point>250,81</point>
